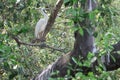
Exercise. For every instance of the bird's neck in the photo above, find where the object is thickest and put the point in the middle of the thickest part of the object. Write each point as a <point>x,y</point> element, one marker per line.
<point>45,15</point>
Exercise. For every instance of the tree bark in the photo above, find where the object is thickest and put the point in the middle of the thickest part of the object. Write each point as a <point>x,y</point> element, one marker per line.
<point>53,16</point>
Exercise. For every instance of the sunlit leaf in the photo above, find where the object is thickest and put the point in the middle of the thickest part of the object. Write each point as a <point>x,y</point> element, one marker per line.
<point>81,31</point>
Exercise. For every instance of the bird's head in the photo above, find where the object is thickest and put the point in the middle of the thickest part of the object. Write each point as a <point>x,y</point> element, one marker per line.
<point>43,10</point>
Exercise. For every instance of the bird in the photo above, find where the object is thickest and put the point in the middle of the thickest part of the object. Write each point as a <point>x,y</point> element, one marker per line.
<point>41,25</point>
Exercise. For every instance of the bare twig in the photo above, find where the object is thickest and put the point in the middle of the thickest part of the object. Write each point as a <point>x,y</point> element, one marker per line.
<point>40,45</point>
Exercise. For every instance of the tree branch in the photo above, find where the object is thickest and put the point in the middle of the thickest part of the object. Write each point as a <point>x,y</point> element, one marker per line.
<point>40,45</point>
<point>53,16</point>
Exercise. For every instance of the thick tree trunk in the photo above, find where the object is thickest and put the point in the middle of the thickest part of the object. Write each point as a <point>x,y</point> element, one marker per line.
<point>83,44</point>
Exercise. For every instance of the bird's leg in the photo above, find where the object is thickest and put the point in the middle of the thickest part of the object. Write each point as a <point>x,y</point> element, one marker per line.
<point>41,37</point>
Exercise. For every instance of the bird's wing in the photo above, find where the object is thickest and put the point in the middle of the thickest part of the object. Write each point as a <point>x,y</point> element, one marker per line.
<point>40,26</point>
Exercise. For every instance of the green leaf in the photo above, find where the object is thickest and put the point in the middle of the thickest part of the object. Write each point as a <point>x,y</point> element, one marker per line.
<point>113,58</point>
<point>91,16</point>
<point>66,1</point>
<point>81,31</point>
<point>2,51</point>
<point>74,60</point>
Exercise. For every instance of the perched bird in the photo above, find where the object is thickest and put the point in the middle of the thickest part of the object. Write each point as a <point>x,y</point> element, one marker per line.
<point>41,25</point>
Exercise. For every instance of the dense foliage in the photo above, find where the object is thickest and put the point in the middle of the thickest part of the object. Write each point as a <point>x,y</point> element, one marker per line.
<point>19,19</point>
